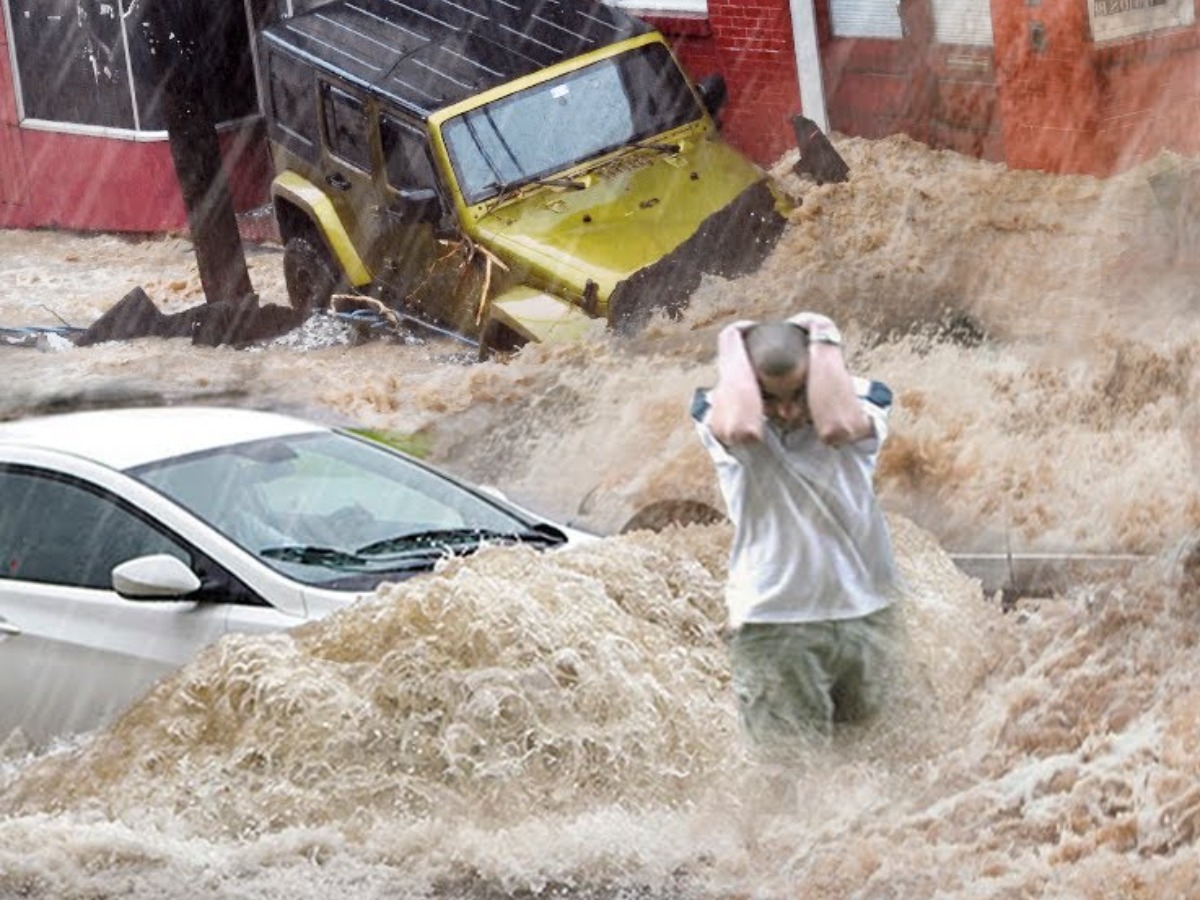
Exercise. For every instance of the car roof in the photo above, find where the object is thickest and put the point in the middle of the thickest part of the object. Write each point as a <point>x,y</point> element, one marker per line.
<point>425,55</point>
<point>128,437</point>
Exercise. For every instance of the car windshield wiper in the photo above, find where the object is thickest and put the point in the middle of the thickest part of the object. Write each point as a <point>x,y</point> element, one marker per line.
<point>661,146</point>
<point>507,187</point>
<point>340,560</point>
<point>330,557</point>
<point>457,540</point>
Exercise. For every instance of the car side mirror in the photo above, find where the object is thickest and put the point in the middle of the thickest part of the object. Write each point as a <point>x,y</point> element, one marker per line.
<point>155,577</point>
<point>713,92</point>
<point>416,206</point>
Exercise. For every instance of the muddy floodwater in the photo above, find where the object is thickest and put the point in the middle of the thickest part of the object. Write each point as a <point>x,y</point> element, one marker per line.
<point>560,725</point>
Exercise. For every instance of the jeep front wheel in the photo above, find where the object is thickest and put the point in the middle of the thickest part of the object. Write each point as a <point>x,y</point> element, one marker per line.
<point>309,274</point>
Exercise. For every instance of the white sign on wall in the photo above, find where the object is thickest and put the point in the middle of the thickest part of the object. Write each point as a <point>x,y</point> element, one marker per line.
<point>1113,19</point>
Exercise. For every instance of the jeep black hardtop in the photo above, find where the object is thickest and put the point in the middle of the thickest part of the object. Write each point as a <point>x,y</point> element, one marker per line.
<point>425,55</point>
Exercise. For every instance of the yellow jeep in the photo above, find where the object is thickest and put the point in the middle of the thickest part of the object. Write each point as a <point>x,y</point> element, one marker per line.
<point>506,173</point>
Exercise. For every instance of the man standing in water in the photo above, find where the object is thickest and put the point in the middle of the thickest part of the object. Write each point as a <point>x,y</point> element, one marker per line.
<point>794,438</point>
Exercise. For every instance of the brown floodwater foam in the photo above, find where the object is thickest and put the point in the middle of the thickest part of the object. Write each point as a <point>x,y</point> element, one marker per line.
<point>560,725</point>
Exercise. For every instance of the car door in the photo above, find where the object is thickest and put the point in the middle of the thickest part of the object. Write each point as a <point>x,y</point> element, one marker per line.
<point>431,271</point>
<point>72,652</point>
<point>348,165</point>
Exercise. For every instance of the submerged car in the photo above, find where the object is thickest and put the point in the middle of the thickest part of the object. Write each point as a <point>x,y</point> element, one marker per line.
<point>132,538</point>
<point>504,172</point>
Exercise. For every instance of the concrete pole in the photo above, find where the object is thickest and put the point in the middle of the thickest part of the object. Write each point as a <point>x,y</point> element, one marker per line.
<point>808,62</point>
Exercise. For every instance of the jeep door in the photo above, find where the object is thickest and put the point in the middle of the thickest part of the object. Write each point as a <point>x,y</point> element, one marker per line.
<point>428,267</point>
<point>348,166</point>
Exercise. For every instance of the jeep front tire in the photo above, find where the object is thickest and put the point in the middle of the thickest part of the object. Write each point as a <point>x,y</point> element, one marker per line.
<point>309,274</point>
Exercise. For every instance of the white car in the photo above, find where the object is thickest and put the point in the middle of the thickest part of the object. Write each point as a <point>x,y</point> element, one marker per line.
<point>130,539</point>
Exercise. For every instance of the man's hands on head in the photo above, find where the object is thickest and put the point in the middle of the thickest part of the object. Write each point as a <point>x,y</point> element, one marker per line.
<point>820,328</point>
<point>736,414</point>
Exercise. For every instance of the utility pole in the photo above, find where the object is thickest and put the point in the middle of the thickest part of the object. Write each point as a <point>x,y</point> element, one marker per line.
<point>177,34</point>
<point>808,62</point>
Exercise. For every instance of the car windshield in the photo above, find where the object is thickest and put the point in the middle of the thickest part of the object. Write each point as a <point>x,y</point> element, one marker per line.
<point>333,510</point>
<point>556,124</point>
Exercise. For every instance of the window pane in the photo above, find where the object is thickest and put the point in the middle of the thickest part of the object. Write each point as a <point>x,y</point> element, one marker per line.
<point>405,155</point>
<point>346,127</point>
<point>220,60</point>
<point>59,532</point>
<point>71,60</point>
<point>293,106</point>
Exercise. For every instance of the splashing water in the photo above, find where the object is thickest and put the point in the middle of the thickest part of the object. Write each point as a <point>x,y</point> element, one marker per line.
<point>518,724</point>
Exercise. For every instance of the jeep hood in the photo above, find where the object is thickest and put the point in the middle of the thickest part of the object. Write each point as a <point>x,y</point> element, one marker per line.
<point>639,207</point>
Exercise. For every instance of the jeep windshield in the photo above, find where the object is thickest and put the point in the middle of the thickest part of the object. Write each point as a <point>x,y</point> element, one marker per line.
<point>525,137</point>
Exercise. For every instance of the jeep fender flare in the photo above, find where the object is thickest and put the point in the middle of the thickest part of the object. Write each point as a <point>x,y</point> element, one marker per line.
<point>539,316</point>
<point>310,199</point>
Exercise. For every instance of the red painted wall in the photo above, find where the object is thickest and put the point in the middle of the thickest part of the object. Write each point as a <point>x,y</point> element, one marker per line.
<point>57,180</point>
<point>125,185</point>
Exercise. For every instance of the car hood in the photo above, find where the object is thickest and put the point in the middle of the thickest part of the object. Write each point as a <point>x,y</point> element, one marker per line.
<point>637,207</point>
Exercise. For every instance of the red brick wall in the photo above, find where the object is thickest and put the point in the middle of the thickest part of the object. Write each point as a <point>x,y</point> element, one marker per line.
<point>873,88</point>
<point>750,43</point>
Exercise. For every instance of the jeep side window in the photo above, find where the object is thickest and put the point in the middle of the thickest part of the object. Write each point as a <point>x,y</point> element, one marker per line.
<point>292,111</point>
<point>405,156</point>
<point>346,131</point>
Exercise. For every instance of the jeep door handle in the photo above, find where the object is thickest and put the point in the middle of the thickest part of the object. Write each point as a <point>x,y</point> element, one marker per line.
<point>7,627</point>
<point>338,180</point>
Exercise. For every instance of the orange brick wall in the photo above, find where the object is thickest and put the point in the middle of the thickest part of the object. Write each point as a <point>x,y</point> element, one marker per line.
<point>1078,106</point>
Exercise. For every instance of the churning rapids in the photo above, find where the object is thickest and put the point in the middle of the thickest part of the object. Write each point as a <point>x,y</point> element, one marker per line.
<point>560,725</point>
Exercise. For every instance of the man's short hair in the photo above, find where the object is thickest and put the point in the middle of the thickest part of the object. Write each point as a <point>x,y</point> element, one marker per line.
<point>775,348</point>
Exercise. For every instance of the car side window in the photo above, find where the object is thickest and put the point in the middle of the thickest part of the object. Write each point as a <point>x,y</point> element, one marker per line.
<point>405,155</point>
<point>58,531</point>
<point>346,128</point>
<point>293,113</point>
